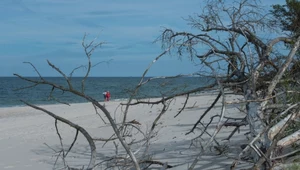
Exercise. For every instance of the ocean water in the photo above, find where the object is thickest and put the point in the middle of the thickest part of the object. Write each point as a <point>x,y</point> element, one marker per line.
<point>120,88</point>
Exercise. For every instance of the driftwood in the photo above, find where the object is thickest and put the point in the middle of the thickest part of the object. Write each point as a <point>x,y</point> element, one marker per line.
<point>290,139</point>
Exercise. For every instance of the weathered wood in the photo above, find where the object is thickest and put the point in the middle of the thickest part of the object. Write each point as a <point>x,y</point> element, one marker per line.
<point>289,139</point>
<point>276,128</point>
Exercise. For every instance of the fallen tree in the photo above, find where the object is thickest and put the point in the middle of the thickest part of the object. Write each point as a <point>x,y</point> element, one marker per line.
<point>228,46</point>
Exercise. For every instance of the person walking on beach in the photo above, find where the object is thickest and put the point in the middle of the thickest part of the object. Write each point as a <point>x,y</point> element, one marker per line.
<point>107,96</point>
<point>104,95</point>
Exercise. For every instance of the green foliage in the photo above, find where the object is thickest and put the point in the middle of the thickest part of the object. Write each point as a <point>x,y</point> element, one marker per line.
<point>287,16</point>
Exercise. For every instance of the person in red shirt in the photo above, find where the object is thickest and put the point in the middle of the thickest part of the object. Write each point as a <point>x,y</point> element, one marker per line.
<point>107,96</point>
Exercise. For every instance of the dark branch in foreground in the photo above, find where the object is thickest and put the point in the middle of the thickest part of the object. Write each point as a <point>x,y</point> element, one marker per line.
<point>206,111</point>
<point>172,96</point>
<point>75,126</point>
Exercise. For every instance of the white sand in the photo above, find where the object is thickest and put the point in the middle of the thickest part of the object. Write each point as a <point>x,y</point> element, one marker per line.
<point>28,137</point>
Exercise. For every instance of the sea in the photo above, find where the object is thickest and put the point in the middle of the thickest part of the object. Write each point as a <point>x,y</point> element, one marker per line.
<point>14,89</point>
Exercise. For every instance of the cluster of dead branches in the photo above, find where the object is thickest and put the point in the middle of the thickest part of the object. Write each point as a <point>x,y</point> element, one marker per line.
<point>242,61</point>
<point>229,48</point>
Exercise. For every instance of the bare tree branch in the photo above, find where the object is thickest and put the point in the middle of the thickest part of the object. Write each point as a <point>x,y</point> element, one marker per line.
<point>75,126</point>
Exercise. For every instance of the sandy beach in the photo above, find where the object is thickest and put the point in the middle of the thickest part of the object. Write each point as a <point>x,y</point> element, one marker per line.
<point>28,139</point>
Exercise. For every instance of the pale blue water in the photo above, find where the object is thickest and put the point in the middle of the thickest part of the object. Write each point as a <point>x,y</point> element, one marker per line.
<point>119,87</point>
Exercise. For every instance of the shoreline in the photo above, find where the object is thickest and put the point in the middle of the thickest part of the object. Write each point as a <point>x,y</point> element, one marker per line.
<point>205,92</point>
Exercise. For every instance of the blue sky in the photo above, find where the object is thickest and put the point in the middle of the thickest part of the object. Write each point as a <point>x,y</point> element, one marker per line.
<point>37,30</point>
